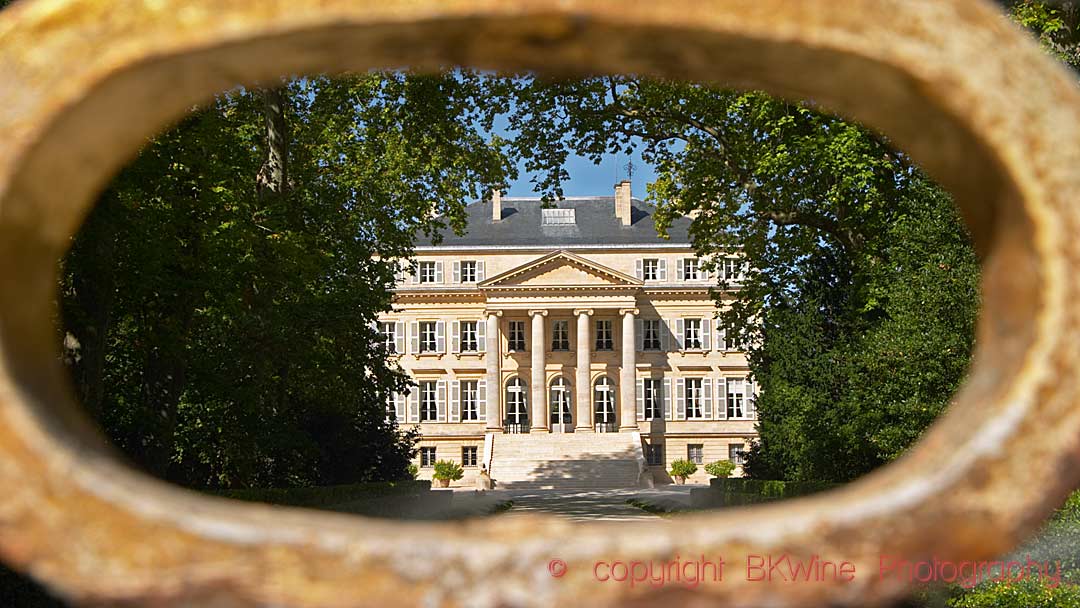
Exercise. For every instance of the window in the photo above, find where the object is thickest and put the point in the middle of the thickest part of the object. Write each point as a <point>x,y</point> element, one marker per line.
<point>429,405</point>
<point>470,390</point>
<point>429,272</point>
<point>651,338</point>
<point>736,389</point>
<point>560,335</point>
<point>429,337</point>
<point>653,396</point>
<point>427,456</point>
<point>650,270</point>
<point>604,341</point>
<point>468,271</point>
<point>388,329</point>
<point>604,401</point>
<point>734,270</point>
<point>469,455</point>
<point>736,453</point>
<point>470,342</point>
<point>517,336</point>
<point>695,453</point>
<point>692,334</point>
<point>654,454</point>
<point>561,408</point>
<point>690,272</point>
<point>557,217</point>
<point>695,397</point>
<point>517,416</point>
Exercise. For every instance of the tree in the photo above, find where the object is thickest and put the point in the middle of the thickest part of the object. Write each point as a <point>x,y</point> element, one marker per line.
<point>817,205</point>
<point>250,249</point>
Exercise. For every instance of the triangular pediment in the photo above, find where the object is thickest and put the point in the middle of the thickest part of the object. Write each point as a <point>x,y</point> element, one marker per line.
<point>561,269</point>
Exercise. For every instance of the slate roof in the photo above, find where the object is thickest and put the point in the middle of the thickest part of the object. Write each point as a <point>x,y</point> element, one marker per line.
<point>596,225</point>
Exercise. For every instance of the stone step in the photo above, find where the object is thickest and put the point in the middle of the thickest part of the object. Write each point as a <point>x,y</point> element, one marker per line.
<point>564,461</point>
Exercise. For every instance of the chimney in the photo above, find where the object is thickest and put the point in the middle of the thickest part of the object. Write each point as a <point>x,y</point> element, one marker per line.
<point>496,205</point>
<point>622,201</point>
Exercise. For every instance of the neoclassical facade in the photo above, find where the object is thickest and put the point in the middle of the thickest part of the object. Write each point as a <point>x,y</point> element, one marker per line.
<point>577,320</point>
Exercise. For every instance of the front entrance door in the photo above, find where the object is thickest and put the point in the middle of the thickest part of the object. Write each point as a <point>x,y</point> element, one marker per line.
<point>561,418</point>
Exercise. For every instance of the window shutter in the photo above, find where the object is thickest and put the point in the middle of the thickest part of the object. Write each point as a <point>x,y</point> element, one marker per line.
<point>639,271</point>
<point>399,337</point>
<point>457,271</point>
<point>705,333</point>
<point>480,274</point>
<point>721,336</point>
<point>438,272</point>
<point>705,274</point>
<point>661,270</point>
<point>680,268</point>
<point>481,400</point>
<point>721,399</point>
<point>751,399</point>
<point>440,401</point>
<point>641,399</point>
<point>455,401</point>
<point>455,336</point>
<point>440,336</point>
<point>640,334</point>
<point>414,404</point>
<point>706,398</point>
<point>680,333</point>
<point>399,272</point>
<point>414,337</point>
<point>414,269</point>
<point>665,335</point>
<point>680,399</point>
<point>481,336</point>
<point>667,398</point>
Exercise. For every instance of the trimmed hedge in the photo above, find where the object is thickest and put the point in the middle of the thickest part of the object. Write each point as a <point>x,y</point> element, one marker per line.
<point>735,492</point>
<point>323,497</point>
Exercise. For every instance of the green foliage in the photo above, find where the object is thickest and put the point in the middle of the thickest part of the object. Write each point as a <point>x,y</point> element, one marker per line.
<point>721,468</point>
<point>1029,593</point>
<point>1055,23</point>
<point>682,468</point>
<point>414,471</point>
<point>225,337</point>
<point>449,470</point>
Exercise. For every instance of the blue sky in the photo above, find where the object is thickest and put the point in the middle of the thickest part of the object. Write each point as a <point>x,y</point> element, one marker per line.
<point>587,179</point>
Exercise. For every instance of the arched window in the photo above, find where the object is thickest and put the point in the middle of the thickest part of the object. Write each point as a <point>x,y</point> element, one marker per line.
<point>604,405</point>
<point>517,408</point>
<point>561,406</point>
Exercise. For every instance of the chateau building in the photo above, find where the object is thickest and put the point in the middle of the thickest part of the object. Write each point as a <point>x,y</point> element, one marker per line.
<point>568,347</point>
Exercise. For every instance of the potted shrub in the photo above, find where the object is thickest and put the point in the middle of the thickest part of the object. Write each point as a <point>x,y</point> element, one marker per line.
<point>721,468</point>
<point>447,471</point>
<point>681,469</point>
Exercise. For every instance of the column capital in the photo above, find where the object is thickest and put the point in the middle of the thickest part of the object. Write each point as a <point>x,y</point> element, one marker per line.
<point>493,313</point>
<point>583,311</point>
<point>631,311</point>
<point>538,311</point>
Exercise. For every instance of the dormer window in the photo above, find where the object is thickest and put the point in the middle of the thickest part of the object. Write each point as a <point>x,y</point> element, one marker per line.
<point>557,217</point>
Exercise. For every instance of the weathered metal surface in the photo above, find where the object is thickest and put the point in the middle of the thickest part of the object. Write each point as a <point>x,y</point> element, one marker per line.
<point>970,97</point>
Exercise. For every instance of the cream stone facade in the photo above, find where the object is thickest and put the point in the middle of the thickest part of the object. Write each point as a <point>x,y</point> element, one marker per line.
<point>571,342</point>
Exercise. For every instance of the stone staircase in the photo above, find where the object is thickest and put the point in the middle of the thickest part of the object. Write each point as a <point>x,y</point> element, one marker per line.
<point>570,461</point>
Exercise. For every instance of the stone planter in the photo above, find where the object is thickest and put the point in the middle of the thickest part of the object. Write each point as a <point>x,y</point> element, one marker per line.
<point>443,483</point>
<point>679,479</point>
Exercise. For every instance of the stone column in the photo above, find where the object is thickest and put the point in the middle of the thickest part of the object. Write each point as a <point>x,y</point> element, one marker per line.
<point>628,373</point>
<point>583,419</point>
<point>493,375</point>
<point>538,387</point>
